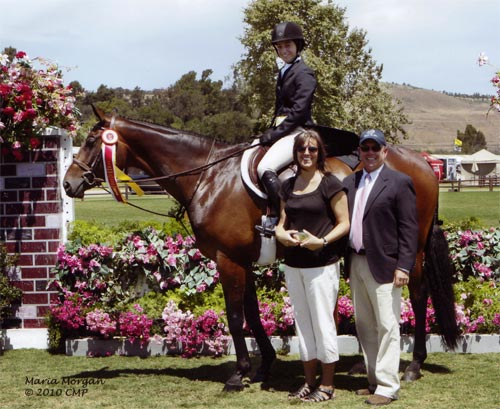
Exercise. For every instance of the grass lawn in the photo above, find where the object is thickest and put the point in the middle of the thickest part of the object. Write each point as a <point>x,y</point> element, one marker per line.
<point>104,209</point>
<point>483,205</point>
<point>453,207</point>
<point>450,380</point>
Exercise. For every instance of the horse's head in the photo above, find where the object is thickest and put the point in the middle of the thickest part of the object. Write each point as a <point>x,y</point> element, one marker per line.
<point>87,170</point>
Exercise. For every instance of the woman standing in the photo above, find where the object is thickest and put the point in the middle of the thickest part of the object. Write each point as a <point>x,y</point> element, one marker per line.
<point>294,94</point>
<point>314,217</point>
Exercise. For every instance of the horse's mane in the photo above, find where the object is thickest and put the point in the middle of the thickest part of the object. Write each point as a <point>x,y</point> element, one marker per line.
<point>174,131</point>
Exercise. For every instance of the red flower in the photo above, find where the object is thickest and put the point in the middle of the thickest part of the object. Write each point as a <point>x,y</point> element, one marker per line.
<point>4,89</point>
<point>17,154</point>
<point>20,54</point>
<point>30,113</point>
<point>8,111</point>
<point>35,143</point>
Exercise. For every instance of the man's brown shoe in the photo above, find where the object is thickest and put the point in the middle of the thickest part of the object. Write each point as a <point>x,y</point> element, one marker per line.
<point>364,392</point>
<point>378,400</point>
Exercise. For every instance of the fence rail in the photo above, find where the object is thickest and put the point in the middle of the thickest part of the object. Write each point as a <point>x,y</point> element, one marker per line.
<point>482,182</point>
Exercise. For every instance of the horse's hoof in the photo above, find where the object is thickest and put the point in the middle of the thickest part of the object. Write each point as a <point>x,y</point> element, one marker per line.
<point>412,372</point>
<point>264,371</point>
<point>231,387</point>
<point>234,383</point>
<point>410,376</point>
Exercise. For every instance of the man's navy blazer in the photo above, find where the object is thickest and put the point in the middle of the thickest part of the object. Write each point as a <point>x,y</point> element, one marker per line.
<point>390,225</point>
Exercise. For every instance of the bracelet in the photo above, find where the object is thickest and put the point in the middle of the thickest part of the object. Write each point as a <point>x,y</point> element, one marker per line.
<point>325,243</point>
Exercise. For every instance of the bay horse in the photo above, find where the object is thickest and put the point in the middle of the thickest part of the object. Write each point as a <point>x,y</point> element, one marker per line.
<point>204,176</point>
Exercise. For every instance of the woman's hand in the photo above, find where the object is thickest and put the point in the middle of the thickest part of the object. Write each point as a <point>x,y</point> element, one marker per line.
<point>288,237</point>
<point>308,240</point>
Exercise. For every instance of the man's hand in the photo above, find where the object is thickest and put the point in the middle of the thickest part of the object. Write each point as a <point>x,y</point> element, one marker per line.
<point>401,278</point>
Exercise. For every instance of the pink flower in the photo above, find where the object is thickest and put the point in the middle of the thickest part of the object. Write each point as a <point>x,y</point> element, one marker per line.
<point>171,260</point>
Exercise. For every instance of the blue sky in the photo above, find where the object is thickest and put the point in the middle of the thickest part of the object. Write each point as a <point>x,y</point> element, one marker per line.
<point>433,44</point>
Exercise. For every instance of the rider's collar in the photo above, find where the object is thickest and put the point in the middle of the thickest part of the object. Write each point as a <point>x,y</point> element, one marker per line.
<point>288,65</point>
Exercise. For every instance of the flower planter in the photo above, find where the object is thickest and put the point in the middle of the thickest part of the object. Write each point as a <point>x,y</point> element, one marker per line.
<point>118,346</point>
<point>348,345</point>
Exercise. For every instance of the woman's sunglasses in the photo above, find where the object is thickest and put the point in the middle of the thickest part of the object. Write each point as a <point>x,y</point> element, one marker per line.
<point>374,148</point>
<point>312,149</point>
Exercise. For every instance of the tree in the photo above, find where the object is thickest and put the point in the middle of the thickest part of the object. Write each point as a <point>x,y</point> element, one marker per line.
<point>186,98</point>
<point>137,97</point>
<point>203,106</point>
<point>350,94</point>
<point>472,139</point>
<point>10,51</point>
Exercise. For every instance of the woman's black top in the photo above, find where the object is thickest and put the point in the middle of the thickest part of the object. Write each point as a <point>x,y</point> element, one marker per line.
<point>312,211</point>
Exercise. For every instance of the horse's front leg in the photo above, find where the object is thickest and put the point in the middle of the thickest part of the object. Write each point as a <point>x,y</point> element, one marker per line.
<point>233,278</point>
<point>418,297</point>
<point>252,315</point>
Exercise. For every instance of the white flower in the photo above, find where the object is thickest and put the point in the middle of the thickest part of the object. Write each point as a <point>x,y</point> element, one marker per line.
<point>4,59</point>
<point>483,59</point>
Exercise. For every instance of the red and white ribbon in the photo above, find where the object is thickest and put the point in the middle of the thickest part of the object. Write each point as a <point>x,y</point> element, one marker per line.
<point>109,139</point>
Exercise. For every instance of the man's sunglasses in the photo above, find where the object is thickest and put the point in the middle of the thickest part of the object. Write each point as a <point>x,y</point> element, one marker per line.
<point>312,149</point>
<point>374,148</point>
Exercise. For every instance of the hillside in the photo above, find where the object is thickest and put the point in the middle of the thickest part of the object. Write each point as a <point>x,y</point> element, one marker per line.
<point>436,117</point>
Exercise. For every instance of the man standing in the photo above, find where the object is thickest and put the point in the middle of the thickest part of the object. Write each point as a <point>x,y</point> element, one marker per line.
<point>382,252</point>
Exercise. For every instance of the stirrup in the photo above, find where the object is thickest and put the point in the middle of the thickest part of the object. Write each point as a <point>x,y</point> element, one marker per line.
<point>268,226</point>
<point>265,231</point>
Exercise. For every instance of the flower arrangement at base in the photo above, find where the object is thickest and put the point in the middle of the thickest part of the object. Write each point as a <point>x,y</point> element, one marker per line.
<point>135,325</point>
<point>99,295</point>
<point>195,333</point>
<point>32,98</point>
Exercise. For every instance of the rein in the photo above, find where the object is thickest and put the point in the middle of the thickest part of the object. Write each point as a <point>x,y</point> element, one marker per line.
<point>198,169</point>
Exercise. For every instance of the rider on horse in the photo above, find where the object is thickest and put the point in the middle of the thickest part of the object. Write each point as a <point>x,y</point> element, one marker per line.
<point>294,94</point>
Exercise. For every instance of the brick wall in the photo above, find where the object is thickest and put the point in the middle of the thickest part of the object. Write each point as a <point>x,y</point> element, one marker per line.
<point>34,214</point>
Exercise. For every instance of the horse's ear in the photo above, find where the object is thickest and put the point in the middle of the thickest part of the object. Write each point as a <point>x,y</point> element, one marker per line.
<point>98,112</point>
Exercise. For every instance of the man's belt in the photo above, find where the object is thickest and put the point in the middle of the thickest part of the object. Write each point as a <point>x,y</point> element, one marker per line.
<point>361,252</point>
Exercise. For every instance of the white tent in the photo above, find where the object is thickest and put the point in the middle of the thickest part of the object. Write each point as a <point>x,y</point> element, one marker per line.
<point>481,163</point>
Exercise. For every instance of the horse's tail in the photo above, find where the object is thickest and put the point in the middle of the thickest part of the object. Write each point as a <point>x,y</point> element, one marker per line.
<point>439,272</point>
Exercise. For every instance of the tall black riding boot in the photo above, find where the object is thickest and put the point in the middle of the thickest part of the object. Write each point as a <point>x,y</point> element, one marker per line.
<point>272,186</point>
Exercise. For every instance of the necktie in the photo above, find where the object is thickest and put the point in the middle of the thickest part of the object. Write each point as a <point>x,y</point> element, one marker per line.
<point>357,228</point>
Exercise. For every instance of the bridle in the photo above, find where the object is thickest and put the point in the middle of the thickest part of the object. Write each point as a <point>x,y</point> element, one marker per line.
<point>91,180</point>
<point>88,176</point>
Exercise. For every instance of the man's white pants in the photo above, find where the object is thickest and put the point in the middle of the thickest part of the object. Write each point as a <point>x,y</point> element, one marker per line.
<point>377,310</point>
<point>313,294</point>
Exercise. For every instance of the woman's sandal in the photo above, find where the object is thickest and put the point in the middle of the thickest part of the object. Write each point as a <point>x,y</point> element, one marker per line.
<point>319,395</point>
<point>301,393</point>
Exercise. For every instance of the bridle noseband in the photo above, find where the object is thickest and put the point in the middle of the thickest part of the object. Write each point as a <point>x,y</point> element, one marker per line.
<point>88,176</point>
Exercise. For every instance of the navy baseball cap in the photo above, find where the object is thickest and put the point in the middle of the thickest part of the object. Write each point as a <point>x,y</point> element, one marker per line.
<point>374,134</point>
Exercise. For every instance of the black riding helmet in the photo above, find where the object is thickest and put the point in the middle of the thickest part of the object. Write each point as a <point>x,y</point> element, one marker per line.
<point>288,31</point>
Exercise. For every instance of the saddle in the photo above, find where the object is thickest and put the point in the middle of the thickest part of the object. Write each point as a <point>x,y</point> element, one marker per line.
<point>339,143</point>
